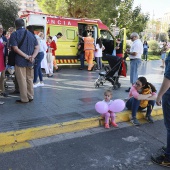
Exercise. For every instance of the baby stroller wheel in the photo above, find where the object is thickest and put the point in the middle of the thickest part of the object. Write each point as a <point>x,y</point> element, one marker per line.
<point>97,83</point>
<point>101,83</point>
<point>119,85</point>
<point>115,87</point>
<point>6,86</point>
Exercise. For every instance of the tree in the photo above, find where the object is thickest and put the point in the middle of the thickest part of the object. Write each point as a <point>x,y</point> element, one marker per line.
<point>163,36</point>
<point>81,8</point>
<point>131,19</point>
<point>8,13</point>
<point>121,10</point>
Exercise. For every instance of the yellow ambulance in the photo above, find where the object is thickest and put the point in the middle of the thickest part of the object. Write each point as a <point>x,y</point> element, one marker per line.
<point>66,52</point>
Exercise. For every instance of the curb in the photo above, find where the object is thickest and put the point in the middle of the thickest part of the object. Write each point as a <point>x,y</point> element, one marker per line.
<point>24,136</point>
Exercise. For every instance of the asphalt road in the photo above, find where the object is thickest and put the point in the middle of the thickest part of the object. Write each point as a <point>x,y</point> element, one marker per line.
<point>124,148</point>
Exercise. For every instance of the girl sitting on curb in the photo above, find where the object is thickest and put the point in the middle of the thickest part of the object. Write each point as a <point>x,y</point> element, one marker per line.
<point>142,95</point>
<point>109,114</point>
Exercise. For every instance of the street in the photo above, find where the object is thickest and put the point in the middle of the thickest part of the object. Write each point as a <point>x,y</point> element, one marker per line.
<point>124,148</point>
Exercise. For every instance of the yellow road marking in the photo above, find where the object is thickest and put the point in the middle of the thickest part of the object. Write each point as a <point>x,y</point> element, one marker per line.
<point>22,136</point>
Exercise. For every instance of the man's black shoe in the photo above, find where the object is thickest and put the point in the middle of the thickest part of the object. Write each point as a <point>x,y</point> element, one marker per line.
<point>19,101</point>
<point>161,160</point>
<point>128,90</point>
<point>30,100</point>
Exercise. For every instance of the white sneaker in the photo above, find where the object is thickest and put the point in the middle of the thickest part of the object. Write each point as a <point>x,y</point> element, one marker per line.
<point>2,103</point>
<point>35,86</point>
<point>40,84</point>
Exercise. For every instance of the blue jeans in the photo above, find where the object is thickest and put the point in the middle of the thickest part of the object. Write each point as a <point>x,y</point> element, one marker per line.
<point>133,104</point>
<point>99,62</point>
<point>37,67</point>
<point>134,65</point>
<point>145,54</point>
<point>166,113</point>
<point>82,60</point>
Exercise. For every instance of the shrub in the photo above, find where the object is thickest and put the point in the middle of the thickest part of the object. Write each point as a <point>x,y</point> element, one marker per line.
<point>154,47</point>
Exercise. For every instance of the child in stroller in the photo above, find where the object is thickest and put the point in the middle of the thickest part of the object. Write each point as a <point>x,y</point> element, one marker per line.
<point>112,72</point>
<point>9,74</point>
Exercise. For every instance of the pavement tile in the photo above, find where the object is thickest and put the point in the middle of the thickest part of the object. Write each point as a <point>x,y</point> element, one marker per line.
<point>69,95</point>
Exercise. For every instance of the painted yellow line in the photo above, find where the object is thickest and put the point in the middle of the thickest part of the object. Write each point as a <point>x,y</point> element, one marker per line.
<point>14,147</point>
<point>15,137</point>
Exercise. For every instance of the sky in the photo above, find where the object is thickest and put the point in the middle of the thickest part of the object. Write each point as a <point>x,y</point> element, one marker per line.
<point>158,7</point>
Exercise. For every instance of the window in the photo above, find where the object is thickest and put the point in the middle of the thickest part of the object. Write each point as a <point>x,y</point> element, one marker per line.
<point>106,35</point>
<point>70,34</point>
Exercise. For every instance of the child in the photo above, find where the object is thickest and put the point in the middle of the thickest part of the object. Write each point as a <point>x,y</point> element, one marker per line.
<point>109,114</point>
<point>98,53</point>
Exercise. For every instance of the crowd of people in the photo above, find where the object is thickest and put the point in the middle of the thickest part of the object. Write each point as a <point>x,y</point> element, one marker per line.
<point>27,53</point>
<point>32,53</point>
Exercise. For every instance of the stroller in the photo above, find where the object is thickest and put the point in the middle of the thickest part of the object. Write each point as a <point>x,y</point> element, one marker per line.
<point>112,72</point>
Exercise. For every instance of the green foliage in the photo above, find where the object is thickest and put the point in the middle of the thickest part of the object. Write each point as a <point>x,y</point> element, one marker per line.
<point>132,20</point>
<point>154,47</point>
<point>8,13</point>
<point>163,36</point>
<point>110,11</point>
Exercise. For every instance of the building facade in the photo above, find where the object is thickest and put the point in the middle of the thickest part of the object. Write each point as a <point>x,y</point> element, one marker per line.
<point>30,5</point>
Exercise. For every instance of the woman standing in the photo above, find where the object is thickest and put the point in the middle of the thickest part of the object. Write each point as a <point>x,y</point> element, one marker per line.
<point>44,61</point>
<point>37,65</point>
<point>145,50</point>
<point>119,48</point>
<point>163,54</point>
<point>2,66</point>
<point>142,95</point>
<point>51,54</point>
<point>81,53</point>
<point>38,59</point>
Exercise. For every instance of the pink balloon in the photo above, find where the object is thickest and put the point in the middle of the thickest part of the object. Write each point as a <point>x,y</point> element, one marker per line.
<point>117,105</point>
<point>101,107</point>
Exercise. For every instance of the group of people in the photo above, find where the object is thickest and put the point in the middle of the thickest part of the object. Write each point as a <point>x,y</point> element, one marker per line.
<point>30,55</point>
<point>142,95</point>
<point>30,52</point>
<point>88,50</point>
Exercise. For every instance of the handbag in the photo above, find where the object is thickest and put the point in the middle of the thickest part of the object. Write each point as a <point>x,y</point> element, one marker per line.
<point>49,57</point>
<point>12,53</point>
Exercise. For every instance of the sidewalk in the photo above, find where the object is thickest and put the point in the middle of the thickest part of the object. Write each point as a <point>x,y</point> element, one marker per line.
<point>65,104</point>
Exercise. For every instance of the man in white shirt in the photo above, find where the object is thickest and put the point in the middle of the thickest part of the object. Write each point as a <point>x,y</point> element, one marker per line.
<point>135,54</point>
<point>55,37</point>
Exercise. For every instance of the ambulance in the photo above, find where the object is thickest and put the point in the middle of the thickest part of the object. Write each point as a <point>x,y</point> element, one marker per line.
<point>66,52</point>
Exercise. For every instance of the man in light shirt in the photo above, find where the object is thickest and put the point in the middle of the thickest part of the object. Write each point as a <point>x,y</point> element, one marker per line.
<point>135,54</point>
<point>55,37</point>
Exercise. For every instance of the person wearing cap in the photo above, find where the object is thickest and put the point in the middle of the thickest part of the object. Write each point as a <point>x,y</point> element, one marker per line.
<point>56,37</point>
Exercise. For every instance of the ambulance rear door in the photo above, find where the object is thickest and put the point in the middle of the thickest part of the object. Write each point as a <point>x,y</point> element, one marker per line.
<point>38,22</point>
<point>67,44</point>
